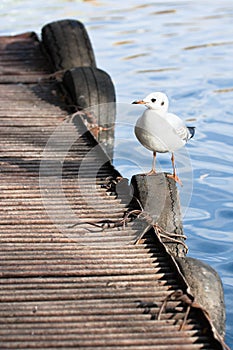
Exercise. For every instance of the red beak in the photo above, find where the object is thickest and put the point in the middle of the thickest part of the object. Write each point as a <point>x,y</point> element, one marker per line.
<point>138,102</point>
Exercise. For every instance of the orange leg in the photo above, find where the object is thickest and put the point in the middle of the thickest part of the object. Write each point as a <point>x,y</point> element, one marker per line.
<point>153,171</point>
<point>174,175</point>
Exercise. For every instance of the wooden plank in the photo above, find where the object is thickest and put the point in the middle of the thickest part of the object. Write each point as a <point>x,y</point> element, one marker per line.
<point>92,289</point>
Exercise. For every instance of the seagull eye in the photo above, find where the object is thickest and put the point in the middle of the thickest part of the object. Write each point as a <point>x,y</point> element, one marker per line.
<point>153,100</point>
<point>162,103</point>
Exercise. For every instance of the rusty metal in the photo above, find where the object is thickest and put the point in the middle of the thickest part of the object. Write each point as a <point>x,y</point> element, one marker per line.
<point>93,290</point>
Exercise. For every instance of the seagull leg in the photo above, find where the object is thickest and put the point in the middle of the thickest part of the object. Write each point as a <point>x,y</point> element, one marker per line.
<point>153,171</point>
<point>174,175</point>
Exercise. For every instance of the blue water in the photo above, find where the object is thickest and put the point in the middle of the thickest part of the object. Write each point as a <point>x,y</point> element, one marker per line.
<point>185,49</point>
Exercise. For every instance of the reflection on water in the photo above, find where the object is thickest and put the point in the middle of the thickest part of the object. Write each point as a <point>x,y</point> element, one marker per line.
<point>207,45</point>
<point>185,49</point>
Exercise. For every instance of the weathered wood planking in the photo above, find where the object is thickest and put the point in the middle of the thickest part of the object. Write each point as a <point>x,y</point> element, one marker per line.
<point>89,290</point>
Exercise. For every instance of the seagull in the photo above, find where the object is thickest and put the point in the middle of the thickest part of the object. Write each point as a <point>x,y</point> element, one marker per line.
<point>161,131</point>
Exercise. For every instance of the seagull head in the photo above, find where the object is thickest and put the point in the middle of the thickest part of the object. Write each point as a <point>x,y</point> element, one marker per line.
<point>157,101</point>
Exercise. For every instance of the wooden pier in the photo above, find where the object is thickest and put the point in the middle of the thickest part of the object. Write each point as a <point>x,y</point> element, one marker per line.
<point>65,285</point>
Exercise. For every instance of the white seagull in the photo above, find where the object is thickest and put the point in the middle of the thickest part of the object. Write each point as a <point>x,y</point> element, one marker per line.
<point>160,131</point>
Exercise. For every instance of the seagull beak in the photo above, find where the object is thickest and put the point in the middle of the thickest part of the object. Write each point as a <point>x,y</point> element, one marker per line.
<point>139,102</point>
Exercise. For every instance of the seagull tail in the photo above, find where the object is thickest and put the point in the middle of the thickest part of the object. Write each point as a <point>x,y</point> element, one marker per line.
<point>191,130</point>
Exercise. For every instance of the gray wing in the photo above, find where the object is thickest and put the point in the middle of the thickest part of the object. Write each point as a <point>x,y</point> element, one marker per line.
<point>158,133</point>
<point>179,127</point>
<point>183,133</point>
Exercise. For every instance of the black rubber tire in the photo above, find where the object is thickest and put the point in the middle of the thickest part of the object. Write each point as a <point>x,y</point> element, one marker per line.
<point>67,44</point>
<point>206,286</point>
<point>92,88</point>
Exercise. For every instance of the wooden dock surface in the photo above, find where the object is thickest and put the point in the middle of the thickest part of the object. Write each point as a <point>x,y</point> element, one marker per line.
<point>64,286</point>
